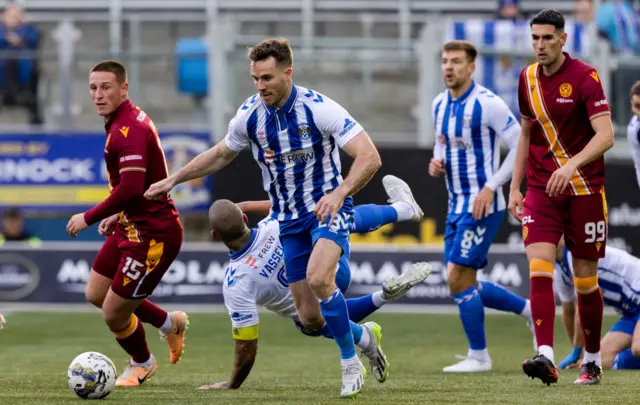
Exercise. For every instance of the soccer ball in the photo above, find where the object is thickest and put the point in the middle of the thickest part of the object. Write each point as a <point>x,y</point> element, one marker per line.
<point>92,375</point>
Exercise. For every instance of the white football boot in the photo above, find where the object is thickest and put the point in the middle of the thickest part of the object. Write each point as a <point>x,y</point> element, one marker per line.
<point>353,374</point>
<point>396,287</point>
<point>398,190</point>
<point>468,365</point>
<point>377,360</point>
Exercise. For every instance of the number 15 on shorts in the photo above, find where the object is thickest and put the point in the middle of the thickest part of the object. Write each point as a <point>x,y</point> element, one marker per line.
<point>595,232</point>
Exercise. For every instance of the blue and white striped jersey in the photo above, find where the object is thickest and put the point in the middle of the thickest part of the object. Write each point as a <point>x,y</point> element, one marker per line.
<point>468,133</point>
<point>618,277</point>
<point>633,137</point>
<point>295,146</point>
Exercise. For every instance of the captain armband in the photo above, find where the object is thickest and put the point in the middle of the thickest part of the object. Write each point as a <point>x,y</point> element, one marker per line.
<point>248,333</point>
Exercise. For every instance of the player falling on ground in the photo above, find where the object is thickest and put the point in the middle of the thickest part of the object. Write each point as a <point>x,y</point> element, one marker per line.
<point>256,277</point>
<point>619,281</point>
<point>143,237</point>
<point>633,129</point>
<point>294,134</point>
<point>469,122</point>
<point>566,128</point>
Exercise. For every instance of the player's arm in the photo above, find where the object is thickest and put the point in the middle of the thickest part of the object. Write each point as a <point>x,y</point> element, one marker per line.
<point>246,350</point>
<point>255,207</point>
<point>132,165</point>
<point>366,162</point>
<point>436,165</point>
<point>519,169</point>
<point>502,121</point>
<point>206,163</point>
<point>633,137</point>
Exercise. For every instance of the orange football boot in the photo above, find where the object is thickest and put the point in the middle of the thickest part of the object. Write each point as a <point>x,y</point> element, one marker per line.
<point>134,376</point>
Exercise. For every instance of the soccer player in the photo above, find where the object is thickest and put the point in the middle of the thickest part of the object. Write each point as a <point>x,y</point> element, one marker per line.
<point>633,129</point>
<point>469,122</point>
<point>566,128</point>
<point>143,236</point>
<point>368,217</point>
<point>3,321</point>
<point>255,277</point>
<point>295,133</point>
<point>619,281</point>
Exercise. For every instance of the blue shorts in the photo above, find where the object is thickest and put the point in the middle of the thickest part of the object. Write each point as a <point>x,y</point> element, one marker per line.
<point>299,235</point>
<point>626,324</point>
<point>467,241</point>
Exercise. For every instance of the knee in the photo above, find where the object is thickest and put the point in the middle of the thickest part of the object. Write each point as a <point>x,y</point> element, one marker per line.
<point>635,349</point>
<point>460,278</point>
<point>319,283</point>
<point>94,297</point>
<point>116,321</point>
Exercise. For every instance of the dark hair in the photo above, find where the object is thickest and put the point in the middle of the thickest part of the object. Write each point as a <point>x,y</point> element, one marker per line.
<point>112,66</point>
<point>279,49</point>
<point>635,89</point>
<point>549,17</point>
<point>459,45</point>
<point>12,213</point>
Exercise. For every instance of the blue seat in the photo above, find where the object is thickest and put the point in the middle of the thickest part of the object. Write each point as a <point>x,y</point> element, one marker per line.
<point>191,67</point>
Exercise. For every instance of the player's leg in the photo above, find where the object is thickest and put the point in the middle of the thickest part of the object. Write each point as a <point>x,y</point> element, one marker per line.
<point>542,227</point>
<point>586,240</point>
<point>616,346</point>
<point>329,244</point>
<point>467,252</point>
<point>403,207</point>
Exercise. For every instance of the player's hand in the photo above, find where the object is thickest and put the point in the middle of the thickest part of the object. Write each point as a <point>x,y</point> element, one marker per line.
<point>328,206</point>
<point>76,225</point>
<point>157,190</point>
<point>436,167</point>
<point>108,225</point>
<point>217,386</point>
<point>515,204</point>
<point>482,203</point>
<point>573,359</point>
<point>560,179</point>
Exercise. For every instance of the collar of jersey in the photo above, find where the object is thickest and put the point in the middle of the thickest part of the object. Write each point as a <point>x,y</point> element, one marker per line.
<point>237,255</point>
<point>288,106</point>
<point>126,104</point>
<point>463,97</point>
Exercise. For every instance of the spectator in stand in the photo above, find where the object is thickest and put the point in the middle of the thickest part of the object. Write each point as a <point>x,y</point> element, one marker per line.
<point>13,228</point>
<point>19,73</point>
<point>509,10</point>
<point>618,21</point>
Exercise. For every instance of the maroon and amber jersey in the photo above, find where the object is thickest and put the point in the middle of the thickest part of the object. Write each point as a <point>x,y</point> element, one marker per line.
<point>133,145</point>
<point>560,108</point>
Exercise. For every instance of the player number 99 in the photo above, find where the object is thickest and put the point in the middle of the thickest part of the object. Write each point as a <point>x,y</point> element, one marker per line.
<point>595,231</point>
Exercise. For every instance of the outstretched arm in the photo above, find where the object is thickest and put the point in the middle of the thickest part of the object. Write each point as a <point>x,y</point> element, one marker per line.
<point>243,360</point>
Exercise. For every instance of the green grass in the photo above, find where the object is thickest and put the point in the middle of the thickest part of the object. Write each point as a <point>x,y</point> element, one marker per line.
<point>36,349</point>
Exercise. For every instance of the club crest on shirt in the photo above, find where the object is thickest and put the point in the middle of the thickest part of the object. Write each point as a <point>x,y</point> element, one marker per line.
<point>304,131</point>
<point>565,90</point>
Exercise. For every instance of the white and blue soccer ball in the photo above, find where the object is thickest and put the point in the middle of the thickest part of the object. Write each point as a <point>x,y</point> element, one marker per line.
<point>92,375</point>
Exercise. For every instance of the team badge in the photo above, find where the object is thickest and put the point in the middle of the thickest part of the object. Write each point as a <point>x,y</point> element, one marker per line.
<point>565,90</point>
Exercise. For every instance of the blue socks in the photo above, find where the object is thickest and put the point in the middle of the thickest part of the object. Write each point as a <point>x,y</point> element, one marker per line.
<point>360,308</point>
<point>625,360</point>
<point>370,217</point>
<point>472,316</point>
<point>335,312</point>
<point>496,297</point>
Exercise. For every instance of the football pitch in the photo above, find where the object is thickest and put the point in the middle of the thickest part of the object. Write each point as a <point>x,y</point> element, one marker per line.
<point>36,349</point>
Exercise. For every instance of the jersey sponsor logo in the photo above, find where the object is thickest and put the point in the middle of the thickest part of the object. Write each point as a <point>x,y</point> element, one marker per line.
<point>129,158</point>
<point>295,156</point>
<point>594,76</point>
<point>141,116</point>
<point>564,100</point>
<point>600,103</point>
<point>527,220</point>
<point>565,90</point>
<point>241,317</point>
<point>348,126</point>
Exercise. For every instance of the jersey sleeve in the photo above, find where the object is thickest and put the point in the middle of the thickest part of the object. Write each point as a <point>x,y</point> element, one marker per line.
<point>564,288</point>
<point>592,95</point>
<point>240,299</point>
<point>237,137</point>
<point>333,119</point>
<point>438,147</point>
<point>633,135</point>
<point>131,147</point>
<point>523,96</point>
<point>503,122</point>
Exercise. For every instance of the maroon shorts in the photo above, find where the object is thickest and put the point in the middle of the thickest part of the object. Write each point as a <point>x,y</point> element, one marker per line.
<point>582,220</point>
<point>137,268</point>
